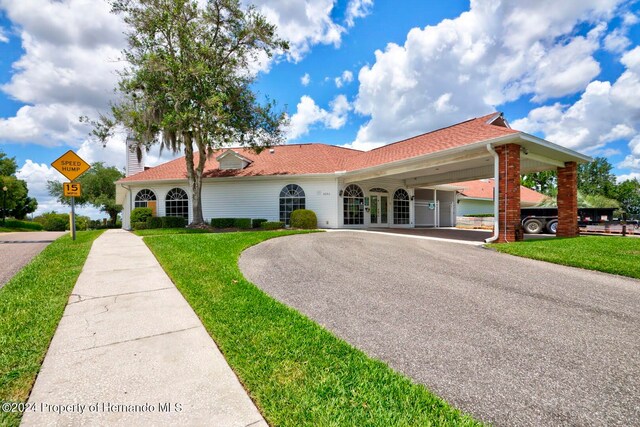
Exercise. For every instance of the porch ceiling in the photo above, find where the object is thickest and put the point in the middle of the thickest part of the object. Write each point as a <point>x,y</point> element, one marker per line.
<point>475,162</point>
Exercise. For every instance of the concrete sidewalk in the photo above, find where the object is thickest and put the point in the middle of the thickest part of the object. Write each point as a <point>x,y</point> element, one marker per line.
<point>131,351</point>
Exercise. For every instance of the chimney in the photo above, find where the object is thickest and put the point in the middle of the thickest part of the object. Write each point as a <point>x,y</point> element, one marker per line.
<point>133,165</point>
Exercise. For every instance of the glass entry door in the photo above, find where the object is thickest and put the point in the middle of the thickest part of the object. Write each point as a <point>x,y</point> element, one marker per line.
<point>378,210</point>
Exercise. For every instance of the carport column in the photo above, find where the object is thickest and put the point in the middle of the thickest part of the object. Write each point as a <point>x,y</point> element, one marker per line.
<point>568,200</point>
<point>509,192</point>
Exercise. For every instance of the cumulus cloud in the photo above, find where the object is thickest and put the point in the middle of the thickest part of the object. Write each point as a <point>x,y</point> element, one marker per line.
<point>308,113</point>
<point>345,78</point>
<point>604,113</point>
<point>357,9</point>
<point>305,80</point>
<point>494,53</point>
<point>4,38</point>
<point>70,63</point>
<point>303,23</point>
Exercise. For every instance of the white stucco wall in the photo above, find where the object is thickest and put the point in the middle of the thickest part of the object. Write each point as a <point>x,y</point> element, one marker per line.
<point>248,198</point>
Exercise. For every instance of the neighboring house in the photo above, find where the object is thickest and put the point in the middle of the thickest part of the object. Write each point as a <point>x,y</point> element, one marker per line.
<point>476,197</point>
<point>403,184</point>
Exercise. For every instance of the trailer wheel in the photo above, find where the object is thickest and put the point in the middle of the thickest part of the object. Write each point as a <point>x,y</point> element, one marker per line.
<point>532,226</point>
<point>552,227</point>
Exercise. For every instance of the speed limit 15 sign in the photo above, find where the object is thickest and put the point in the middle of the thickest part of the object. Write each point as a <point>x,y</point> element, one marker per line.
<point>71,189</point>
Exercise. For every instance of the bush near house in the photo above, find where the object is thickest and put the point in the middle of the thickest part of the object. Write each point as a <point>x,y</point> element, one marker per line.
<point>272,225</point>
<point>304,218</point>
<point>173,222</point>
<point>478,216</point>
<point>242,223</point>
<point>222,222</point>
<point>141,214</point>
<point>257,221</point>
<point>154,222</point>
<point>139,225</point>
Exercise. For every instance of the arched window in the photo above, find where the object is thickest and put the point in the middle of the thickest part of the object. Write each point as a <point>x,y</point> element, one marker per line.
<point>401,207</point>
<point>143,197</point>
<point>353,205</point>
<point>177,203</point>
<point>291,198</point>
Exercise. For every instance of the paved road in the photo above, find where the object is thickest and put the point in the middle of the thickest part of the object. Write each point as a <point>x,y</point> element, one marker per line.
<point>510,340</point>
<point>17,249</point>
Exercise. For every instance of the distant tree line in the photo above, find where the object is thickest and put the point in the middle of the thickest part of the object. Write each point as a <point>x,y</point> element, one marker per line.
<point>597,188</point>
<point>15,201</point>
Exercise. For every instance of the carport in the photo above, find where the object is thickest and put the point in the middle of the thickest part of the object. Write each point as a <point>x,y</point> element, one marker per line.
<point>486,147</point>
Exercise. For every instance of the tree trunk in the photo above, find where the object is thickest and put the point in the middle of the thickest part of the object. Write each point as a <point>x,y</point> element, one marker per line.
<point>195,180</point>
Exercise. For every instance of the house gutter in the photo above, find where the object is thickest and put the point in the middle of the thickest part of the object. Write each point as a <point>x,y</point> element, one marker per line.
<point>496,199</point>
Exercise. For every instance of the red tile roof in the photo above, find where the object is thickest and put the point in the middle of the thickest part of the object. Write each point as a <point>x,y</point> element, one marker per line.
<point>300,159</point>
<point>483,189</point>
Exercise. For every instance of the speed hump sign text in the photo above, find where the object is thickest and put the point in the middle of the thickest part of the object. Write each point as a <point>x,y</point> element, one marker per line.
<point>71,165</point>
<point>71,189</point>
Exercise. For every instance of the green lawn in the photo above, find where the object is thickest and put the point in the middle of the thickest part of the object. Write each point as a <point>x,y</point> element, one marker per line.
<point>297,372</point>
<point>31,305</point>
<point>616,255</point>
<point>164,231</point>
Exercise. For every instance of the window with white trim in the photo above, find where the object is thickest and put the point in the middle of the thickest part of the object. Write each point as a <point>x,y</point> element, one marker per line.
<point>143,197</point>
<point>353,205</point>
<point>401,207</point>
<point>292,197</point>
<point>177,203</point>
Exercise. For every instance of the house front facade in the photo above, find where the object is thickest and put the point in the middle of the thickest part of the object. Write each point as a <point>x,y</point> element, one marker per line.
<point>405,184</point>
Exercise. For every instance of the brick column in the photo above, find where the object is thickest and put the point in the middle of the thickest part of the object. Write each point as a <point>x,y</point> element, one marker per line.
<point>568,200</point>
<point>509,193</point>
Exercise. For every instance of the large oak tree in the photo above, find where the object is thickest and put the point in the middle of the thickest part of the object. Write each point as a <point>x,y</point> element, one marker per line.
<point>188,84</point>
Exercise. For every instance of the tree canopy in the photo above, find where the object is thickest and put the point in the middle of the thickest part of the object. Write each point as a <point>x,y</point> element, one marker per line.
<point>98,189</point>
<point>15,201</point>
<point>187,86</point>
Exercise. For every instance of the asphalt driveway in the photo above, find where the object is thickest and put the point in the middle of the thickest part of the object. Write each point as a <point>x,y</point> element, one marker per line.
<point>510,340</point>
<point>17,249</point>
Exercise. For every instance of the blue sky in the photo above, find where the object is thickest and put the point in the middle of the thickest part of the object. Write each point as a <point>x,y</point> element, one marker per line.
<point>376,71</point>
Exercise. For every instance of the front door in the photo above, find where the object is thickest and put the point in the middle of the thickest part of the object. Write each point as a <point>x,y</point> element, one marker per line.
<point>378,210</point>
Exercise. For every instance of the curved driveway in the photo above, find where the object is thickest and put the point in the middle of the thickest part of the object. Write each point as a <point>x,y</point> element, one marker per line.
<point>510,340</point>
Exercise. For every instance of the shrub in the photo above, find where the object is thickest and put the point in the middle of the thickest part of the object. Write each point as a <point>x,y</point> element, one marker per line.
<point>304,218</point>
<point>82,222</point>
<point>272,225</point>
<point>222,222</point>
<point>139,225</point>
<point>173,222</point>
<point>154,222</point>
<point>27,225</point>
<point>242,223</point>
<point>478,215</point>
<point>141,214</point>
<point>53,221</point>
<point>257,221</point>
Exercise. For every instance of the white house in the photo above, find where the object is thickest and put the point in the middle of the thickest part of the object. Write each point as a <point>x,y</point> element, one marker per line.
<point>403,184</point>
<point>476,197</point>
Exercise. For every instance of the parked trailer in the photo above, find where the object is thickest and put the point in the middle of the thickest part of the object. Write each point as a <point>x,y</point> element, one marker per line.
<point>538,220</point>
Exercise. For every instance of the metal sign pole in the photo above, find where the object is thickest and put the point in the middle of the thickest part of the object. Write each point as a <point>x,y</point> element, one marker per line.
<point>73,218</point>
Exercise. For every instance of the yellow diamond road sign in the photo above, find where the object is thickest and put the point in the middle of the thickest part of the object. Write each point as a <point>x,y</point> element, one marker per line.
<point>71,165</point>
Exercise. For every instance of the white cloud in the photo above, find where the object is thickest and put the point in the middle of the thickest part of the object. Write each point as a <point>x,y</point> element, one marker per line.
<point>4,38</point>
<point>357,9</point>
<point>308,113</point>
<point>605,112</point>
<point>305,80</point>
<point>303,23</point>
<point>70,63</point>
<point>616,41</point>
<point>494,53</point>
<point>345,78</point>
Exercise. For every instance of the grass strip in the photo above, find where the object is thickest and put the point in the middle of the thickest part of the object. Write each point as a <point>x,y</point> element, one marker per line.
<point>609,254</point>
<point>31,306</point>
<point>164,231</point>
<point>297,372</point>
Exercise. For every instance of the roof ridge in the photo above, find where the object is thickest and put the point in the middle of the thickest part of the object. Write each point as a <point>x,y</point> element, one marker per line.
<point>434,130</point>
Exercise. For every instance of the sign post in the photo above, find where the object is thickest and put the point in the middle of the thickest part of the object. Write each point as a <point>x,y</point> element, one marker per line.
<point>71,166</point>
